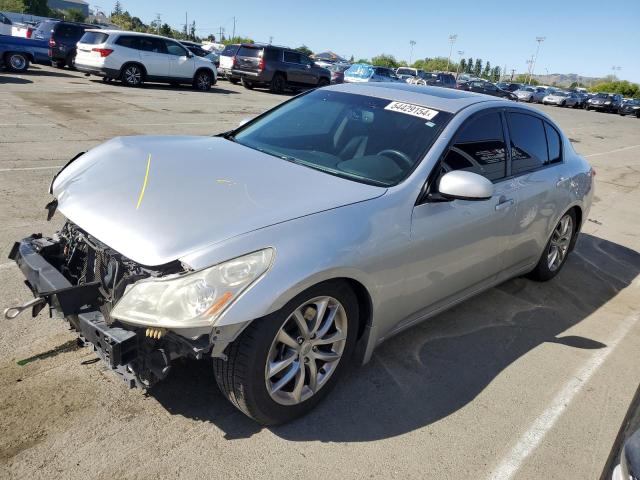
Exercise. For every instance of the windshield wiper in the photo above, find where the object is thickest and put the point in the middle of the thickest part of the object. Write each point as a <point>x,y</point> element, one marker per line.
<point>230,135</point>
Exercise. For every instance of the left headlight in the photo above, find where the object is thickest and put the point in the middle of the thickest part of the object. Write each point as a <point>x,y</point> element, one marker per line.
<point>192,300</point>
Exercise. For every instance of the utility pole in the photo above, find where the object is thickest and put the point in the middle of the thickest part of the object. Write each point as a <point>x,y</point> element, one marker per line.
<point>159,21</point>
<point>503,73</point>
<point>452,40</point>
<point>412,43</point>
<point>530,63</point>
<point>513,71</point>
<point>460,54</point>
<point>186,25</point>
<point>220,37</point>
<point>233,35</point>
<point>535,58</point>
<point>270,39</point>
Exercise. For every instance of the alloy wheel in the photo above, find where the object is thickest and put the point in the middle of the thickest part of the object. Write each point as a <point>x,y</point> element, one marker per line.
<point>306,350</point>
<point>132,75</point>
<point>559,244</point>
<point>17,62</point>
<point>203,82</point>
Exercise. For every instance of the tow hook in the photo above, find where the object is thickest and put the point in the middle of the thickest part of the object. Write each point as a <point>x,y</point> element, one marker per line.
<point>12,312</point>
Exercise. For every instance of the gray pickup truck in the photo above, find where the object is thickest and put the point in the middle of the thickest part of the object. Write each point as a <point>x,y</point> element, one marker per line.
<point>16,53</point>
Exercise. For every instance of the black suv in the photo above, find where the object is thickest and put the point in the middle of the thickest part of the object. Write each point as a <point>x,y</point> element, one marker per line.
<point>62,43</point>
<point>277,68</point>
<point>605,102</point>
<point>445,80</point>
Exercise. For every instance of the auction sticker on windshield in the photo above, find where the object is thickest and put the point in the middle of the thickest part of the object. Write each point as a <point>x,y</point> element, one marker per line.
<point>410,109</point>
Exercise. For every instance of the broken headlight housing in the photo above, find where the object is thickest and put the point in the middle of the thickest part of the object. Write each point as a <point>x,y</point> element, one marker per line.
<point>194,299</point>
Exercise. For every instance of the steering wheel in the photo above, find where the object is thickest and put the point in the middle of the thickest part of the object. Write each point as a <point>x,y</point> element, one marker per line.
<point>401,159</point>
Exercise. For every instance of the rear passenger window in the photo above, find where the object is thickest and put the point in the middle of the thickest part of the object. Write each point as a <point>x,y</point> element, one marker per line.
<point>128,42</point>
<point>554,144</point>
<point>291,57</point>
<point>272,55</point>
<point>149,44</point>
<point>479,147</point>
<point>528,142</point>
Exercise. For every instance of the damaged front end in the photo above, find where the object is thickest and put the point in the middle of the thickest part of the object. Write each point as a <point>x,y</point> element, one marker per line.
<point>81,280</point>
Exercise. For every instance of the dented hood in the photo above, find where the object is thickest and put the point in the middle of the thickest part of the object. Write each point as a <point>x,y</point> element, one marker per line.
<point>156,199</point>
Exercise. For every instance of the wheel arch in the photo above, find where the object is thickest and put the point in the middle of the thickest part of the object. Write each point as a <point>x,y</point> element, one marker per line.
<point>142,67</point>
<point>204,69</point>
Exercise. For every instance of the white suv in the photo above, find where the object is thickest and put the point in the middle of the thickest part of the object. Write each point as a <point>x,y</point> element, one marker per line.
<point>134,58</point>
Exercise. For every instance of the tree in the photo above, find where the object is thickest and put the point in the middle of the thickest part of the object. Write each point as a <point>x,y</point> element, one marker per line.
<point>469,65</point>
<point>12,6</point>
<point>74,15</point>
<point>486,73</point>
<point>384,60</point>
<point>304,49</point>
<point>165,30</point>
<point>351,59</point>
<point>623,87</point>
<point>477,67</point>
<point>463,65</point>
<point>363,60</point>
<point>37,7</point>
<point>192,31</point>
<point>495,74</point>
<point>117,9</point>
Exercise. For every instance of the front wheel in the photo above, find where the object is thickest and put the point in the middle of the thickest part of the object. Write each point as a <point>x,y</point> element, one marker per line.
<point>16,62</point>
<point>323,82</point>
<point>202,81</point>
<point>248,84</point>
<point>283,364</point>
<point>234,80</point>
<point>557,249</point>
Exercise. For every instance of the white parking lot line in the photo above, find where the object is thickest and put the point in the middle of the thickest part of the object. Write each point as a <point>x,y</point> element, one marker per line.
<point>611,151</point>
<point>530,440</point>
<point>27,124</point>
<point>23,169</point>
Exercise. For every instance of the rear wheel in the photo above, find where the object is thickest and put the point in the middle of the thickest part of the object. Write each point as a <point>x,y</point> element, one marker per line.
<point>60,63</point>
<point>284,364</point>
<point>248,84</point>
<point>132,75</point>
<point>323,82</point>
<point>557,249</point>
<point>16,62</point>
<point>234,80</point>
<point>278,83</point>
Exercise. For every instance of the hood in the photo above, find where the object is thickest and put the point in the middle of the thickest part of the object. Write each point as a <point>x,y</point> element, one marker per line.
<point>156,199</point>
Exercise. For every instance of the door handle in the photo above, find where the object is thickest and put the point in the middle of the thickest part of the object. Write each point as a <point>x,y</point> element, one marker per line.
<point>506,203</point>
<point>561,180</point>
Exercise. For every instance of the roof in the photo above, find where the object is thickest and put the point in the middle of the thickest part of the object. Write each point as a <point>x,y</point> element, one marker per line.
<point>127,32</point>
<point>439,98</point>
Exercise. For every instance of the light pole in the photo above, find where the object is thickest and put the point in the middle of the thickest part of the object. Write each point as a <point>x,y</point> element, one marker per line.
<point>452,40</point>
<point>535,58</point>
<point>530,63</point>
<point>412,43</point>
<point>460,53</point>
<point>613,69</point>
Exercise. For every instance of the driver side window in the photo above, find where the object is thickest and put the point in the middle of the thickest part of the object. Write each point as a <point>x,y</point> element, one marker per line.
<point>479,147</point>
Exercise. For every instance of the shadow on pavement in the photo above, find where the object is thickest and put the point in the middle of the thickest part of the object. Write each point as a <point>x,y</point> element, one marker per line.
<point>215,89</point>
<point>14,80</point>
<point>438,367</point>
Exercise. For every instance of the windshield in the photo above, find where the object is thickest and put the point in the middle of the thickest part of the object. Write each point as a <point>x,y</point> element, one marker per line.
<point>602,95</point>
<point>366,139</point>
<point>359,71</point>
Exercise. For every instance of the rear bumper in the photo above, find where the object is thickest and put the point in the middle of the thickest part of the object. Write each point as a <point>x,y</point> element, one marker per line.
<point>258,77</point>
<point>98,71</point>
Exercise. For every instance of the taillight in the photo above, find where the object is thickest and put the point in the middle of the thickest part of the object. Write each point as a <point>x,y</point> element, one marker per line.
<point>261,64</point>
<point>52,42</point>
<point>29,33</point>
<point>104,52</point>
<point>233,64</point>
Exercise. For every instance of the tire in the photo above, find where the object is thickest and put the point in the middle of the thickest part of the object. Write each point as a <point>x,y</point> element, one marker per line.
<point>202,81</point>
<point>323,82</point>
<point>60,63</point>
<point>234,80</point>
<point>16,62</point>
<point>563,241</point>
<point>244,379</point>
<point>132,75</point>
<point>71,61</point>
<point>278,84</point>
<point>247,84</point>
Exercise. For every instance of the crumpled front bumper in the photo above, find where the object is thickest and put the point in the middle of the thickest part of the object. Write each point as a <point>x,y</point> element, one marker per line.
<point>118,347</point>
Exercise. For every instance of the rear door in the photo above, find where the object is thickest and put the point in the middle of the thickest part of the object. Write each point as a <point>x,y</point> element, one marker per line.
<point>296,72</point>
<point>537,170</point>
<point>181,64</point>
<point>154,57</point>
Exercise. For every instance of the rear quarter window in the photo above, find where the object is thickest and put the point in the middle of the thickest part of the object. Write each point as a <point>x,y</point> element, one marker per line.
<point>94,38</point>
<point>229,50</point>
<point>128,41</point>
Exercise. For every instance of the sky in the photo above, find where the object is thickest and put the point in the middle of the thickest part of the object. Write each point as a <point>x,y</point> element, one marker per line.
<point>586,37</point>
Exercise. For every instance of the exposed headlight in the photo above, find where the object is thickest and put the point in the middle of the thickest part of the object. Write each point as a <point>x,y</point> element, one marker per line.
<point>191,300</point>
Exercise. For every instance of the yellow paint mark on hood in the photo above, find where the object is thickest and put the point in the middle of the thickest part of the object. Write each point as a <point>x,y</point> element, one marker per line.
<point>144,183</point>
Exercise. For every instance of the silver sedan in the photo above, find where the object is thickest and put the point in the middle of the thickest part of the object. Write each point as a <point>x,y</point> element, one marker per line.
<point>292,246</point>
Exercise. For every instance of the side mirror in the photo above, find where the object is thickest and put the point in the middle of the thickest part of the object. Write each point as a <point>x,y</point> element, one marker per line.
<point>244,121</point>
<point>464,185</point>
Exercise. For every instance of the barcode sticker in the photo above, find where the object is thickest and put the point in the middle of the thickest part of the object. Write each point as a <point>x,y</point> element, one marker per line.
<point>410,109</point>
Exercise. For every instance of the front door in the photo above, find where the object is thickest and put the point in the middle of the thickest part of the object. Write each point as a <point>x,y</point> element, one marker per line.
<point>458,245</point>
<point>181,62</point>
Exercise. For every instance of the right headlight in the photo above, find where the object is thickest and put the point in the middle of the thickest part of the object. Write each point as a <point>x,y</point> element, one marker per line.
<point>194,299</point>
